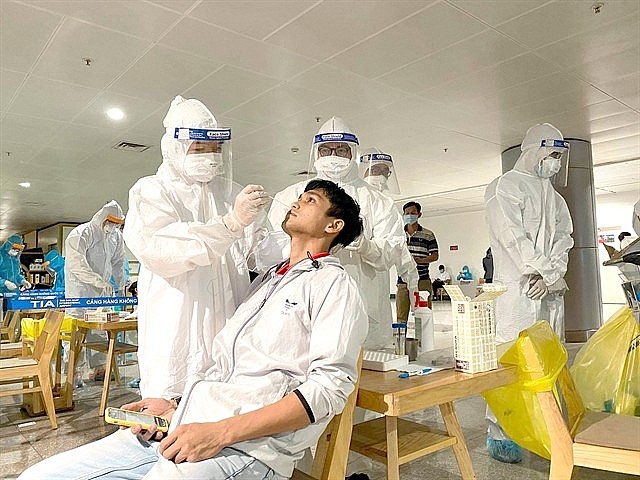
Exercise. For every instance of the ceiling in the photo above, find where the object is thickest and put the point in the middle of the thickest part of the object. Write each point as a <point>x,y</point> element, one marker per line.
<point>444,86</point>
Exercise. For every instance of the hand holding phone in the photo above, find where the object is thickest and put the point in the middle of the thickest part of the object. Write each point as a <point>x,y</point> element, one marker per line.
<point>129,418</point>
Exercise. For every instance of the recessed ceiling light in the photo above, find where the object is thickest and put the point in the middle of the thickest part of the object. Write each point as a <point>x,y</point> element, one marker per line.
<point>25,184</point>
<point>115,114</point>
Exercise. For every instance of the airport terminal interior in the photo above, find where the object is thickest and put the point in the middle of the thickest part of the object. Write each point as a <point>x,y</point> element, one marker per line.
<point>512,124</point>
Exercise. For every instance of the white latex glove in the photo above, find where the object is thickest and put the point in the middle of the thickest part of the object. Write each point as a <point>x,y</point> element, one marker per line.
<point>106,287</point>
<point>248,204</point>
<point>10,285</point>
<point>26,284</point>
<point>537,288</point>
<point>559,286</point>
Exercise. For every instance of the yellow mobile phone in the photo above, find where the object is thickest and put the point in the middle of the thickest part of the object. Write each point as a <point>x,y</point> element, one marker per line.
<point>128,418</point>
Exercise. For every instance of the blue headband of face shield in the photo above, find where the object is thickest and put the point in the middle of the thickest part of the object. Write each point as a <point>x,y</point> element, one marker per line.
<point>202,134</point>
<point>335,137</point>
<point>369,157</point>
<point>554,143</point>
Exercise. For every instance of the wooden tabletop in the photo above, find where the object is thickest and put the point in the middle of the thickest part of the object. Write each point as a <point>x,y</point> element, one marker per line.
<point>115,325</point>
<point>386,393</point>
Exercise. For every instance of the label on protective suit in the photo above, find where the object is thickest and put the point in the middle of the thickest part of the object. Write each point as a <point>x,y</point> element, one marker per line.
<point>205,134</point>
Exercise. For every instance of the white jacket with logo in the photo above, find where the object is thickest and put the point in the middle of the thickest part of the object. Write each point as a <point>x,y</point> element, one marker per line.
<point>299,331</point>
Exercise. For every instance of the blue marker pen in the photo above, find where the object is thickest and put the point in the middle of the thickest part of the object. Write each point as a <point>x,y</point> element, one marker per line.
<point>413,374</point>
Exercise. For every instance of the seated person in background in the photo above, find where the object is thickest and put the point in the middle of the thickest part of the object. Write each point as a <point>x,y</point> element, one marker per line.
<point>465,275</point>
<point>284,365</point>
<point>442,278</point>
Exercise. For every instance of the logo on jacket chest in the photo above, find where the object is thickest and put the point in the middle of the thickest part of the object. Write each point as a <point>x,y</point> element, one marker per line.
<point>288,306</point>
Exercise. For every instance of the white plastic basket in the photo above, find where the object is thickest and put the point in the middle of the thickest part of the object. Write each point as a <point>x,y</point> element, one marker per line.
<point>474,328</point>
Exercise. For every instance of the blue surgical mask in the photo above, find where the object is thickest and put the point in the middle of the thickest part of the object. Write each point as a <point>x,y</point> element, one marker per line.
<point>409,219</point>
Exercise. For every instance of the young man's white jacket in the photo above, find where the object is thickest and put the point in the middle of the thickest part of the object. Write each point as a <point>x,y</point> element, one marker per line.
<point>299,332</point>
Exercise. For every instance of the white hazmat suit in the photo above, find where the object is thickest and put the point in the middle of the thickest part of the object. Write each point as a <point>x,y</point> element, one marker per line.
<point>530,235</point>
<point>92,255</point>
<point>192,244</point>
<point>94,252</point>
<point>369,258</point>
<point>405,264</point>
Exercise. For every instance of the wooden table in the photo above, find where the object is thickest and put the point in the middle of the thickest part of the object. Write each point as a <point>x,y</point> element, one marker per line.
<point>112,348</point>
<point>395,441</point>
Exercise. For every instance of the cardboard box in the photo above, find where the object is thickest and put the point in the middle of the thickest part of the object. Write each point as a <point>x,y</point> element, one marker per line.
<point>474,328</point>
<point>94,316</point>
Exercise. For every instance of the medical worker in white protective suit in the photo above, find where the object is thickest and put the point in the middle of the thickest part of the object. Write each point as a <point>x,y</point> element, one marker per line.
<point>530,235</point>
<point>377,169</point>
<point>334,154</point>
<point>191,230</point>
<point>94,252</point>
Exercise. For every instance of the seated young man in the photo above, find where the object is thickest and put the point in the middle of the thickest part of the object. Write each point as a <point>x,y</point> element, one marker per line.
<point>284,365</point>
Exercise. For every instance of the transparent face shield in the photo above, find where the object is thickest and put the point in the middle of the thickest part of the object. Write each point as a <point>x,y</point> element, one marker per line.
<point>556,159</point>
<point>377,170</point>
<point>332,153</point>
<point>208,155</point>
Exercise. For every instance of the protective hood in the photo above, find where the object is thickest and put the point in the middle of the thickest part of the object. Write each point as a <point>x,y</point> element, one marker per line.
<point>185,121</point>
<point>376,168</point>
<point>544,153</point>
<point>110,211</point>
<point>56,262</point>
<point>8,244</point>
<point>335,130</point>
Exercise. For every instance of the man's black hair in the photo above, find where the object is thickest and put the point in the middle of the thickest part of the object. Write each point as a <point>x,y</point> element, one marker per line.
<point>412,204</point>
<point>343,206</point>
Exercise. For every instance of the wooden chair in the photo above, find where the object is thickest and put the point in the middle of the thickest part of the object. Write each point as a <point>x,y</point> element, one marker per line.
<point>332,452</point>
<point>597,440</point>
<point>9,325</point>
<point>36,367</point>
<point>9,350</point>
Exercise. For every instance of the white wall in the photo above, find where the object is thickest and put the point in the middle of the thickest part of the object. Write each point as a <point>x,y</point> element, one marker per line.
<point>466,230</point>
<point>614,214</point>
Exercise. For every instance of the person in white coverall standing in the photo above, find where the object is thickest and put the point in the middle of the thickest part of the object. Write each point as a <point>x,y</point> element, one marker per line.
<point>94,252</point>
<point>377,169</point>
<point>192,232</point>
<point>530,235</point>
<point>334,154</point>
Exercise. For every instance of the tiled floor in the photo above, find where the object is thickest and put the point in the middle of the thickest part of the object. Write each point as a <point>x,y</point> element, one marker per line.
<point>21,446</point>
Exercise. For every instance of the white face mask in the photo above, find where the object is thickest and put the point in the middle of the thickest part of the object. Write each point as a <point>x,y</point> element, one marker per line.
<point>109,229</point>
<point>379,182</point>
<point>332,165</point>
<point>14,253</point>
<point>202,167</point>
<point>548,167</point>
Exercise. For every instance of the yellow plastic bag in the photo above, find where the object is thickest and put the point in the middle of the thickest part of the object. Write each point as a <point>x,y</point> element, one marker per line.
<point>67,325</point>
<point>539,358</point>
<point>31,328</point>
<point>606,370</point>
